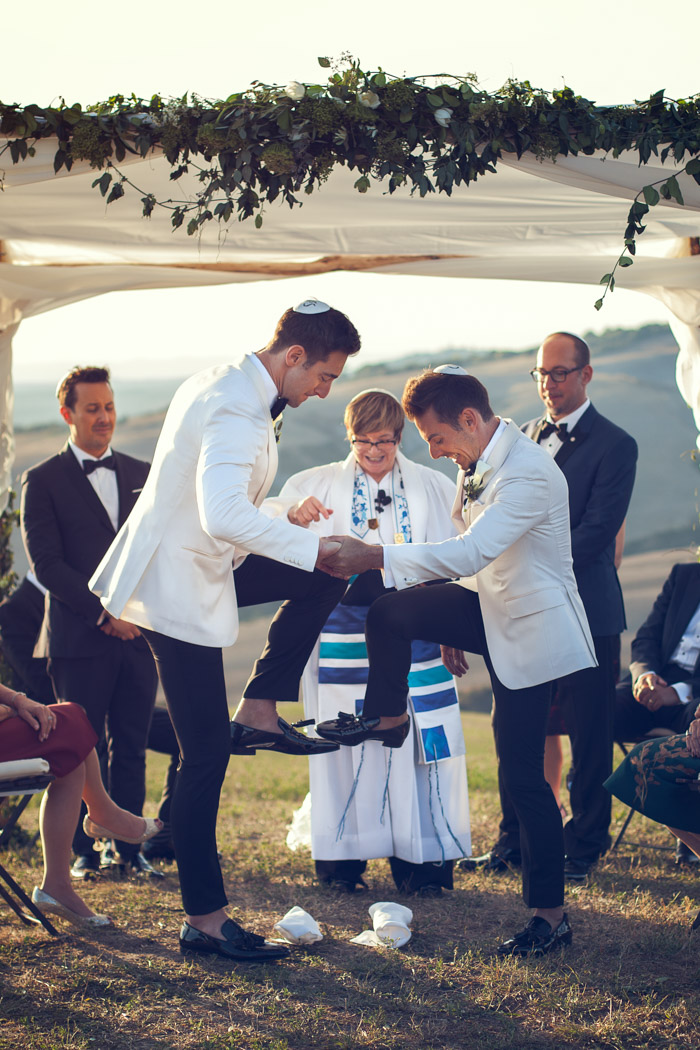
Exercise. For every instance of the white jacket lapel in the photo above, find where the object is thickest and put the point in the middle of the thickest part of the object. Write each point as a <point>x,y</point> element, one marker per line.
<point>252,372</point>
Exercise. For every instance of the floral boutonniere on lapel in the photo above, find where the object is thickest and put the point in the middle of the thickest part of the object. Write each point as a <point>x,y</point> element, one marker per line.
<point>475,482</point>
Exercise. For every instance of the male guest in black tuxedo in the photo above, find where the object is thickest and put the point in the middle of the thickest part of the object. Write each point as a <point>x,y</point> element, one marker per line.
<point>662,689</point>
<point>72,506</point>
<point>598,460</point>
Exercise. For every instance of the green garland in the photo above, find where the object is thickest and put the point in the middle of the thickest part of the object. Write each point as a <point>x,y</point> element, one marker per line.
<point>272,142</point>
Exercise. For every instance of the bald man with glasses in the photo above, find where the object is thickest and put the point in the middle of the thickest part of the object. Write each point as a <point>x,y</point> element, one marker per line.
<point>598,460</point>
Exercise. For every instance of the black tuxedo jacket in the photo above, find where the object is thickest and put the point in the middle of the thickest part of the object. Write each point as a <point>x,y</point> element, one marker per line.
<point>599,462</point>
<point>663,628</point>
<point>66,531</point>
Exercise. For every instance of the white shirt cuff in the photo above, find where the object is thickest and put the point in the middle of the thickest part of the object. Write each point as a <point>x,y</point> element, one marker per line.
<point>684,690</point>
<point>388,574</point>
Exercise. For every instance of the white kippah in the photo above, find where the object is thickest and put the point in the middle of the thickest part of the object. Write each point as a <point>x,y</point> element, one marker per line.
<point>312,306</point>
<point>451,370</point>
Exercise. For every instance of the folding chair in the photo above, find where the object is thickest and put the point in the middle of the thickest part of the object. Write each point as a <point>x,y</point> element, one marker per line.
<point>653,734</point>
<point>23,779</point>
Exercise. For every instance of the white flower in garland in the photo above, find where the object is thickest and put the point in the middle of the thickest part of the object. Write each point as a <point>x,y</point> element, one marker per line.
<point>369,98</point>
<point>295,90</point>
<point>443,116</point>
<point>475,483</point>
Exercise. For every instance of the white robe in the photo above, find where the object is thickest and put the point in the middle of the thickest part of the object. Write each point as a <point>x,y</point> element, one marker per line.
<point>426,805</point>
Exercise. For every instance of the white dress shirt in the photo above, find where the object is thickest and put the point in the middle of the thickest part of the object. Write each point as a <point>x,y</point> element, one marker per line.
<point>686,656</point>
<point>103,481</point>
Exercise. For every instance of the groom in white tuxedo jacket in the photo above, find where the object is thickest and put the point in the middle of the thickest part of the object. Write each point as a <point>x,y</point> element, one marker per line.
<point>169,572</point>
<point>521,610</point>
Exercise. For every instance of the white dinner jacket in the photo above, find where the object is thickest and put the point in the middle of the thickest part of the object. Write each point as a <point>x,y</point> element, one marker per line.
<point>515,538</point>
<point>169,568</point>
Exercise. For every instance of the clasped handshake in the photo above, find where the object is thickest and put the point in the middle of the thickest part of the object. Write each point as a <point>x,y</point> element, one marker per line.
<point>343,556</point>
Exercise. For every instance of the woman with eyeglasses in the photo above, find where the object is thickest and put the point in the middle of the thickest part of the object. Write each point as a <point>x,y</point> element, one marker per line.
<point>409,804</point>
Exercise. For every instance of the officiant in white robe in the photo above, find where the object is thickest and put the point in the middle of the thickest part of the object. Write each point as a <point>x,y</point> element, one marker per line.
<point>409,804</point>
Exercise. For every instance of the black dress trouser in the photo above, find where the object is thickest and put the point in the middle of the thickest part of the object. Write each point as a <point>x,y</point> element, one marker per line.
<point>192,677</point>
<point>587,700</point>
<point>451,615</point>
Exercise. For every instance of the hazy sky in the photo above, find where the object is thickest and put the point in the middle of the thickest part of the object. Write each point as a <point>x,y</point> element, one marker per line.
<point>86,52</point>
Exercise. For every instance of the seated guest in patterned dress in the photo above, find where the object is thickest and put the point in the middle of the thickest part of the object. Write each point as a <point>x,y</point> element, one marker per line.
<point>659,778</point>
<point>407,804</point>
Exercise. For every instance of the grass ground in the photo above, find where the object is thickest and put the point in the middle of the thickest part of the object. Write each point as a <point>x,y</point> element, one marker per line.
<point>630,980</point>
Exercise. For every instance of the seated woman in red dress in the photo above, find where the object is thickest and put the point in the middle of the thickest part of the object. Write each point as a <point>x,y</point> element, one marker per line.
<point>62,735</point>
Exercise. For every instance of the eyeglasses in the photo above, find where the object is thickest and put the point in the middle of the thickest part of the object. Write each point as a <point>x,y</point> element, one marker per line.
<point>557,375</point>
<point>365,446</point>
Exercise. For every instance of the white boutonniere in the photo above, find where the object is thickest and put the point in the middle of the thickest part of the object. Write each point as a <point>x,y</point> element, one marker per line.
<point>475,483</point>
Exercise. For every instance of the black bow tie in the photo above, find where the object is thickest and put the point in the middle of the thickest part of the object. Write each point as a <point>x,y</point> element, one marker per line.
<point>278,406</point>
<point>560,429</point>
<point>94,464</point>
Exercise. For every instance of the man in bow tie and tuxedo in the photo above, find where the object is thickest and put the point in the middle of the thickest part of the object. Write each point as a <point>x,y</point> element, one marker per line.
<point>169,572</point>
<point>519,608</point>
<point>598,460</point>
<point>72,507</point>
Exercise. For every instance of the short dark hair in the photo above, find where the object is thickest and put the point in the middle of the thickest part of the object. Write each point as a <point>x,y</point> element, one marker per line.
<point>319,334</point>
<point>447,395</point>
<point>65,391</point>
<point>582,351</point>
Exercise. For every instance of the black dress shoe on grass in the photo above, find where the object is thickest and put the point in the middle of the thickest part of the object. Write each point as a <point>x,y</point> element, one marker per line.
<point>236,943</point>
<point>246,741</point>
<point>141,869</point>
<point>538,938</point>
<point>577,870</point>
<point>85,867</point>
<point>357,885</point>
<point>684,856</point>
<point>351,730</point>
<point>495,863</point>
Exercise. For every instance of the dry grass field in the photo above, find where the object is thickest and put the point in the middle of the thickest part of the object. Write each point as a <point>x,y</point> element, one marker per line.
<point>630,980</point>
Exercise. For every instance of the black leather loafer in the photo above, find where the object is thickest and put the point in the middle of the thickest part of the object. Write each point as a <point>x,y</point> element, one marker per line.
<point>246,741</point>
<point>491,862</point>
<point>684,856</point>
<point>351,730</point>
<point>85,867</point>
<point>577,870</point>
<point>141,868</point>
<point>538,938</point>
<point>237,944</point>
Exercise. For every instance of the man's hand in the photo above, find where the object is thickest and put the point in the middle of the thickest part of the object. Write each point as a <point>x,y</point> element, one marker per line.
<point>693,738</point>
<point>308,510</point>
<point>454,660</point>
<point>120,629</point>
<point>351,556</point>
<point>653,692</point>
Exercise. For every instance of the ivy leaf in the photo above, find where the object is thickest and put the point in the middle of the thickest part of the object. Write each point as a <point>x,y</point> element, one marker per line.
<point>673,189</point>
<point>693,166</point>
<point>149,204</point>
<point>605,279</point>
<point>103,182</point>
<point>378,80</point>
<point>324,63</point>
<point>651,196</point>
<point>362,184</point>
<point>598,304</point>
<point>258,221</point>
<point>434,100</point>
<point>625,261</point>
<point>117,191</point>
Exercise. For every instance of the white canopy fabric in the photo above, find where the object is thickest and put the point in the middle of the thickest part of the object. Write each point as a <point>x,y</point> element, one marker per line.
<point>532,220</point>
